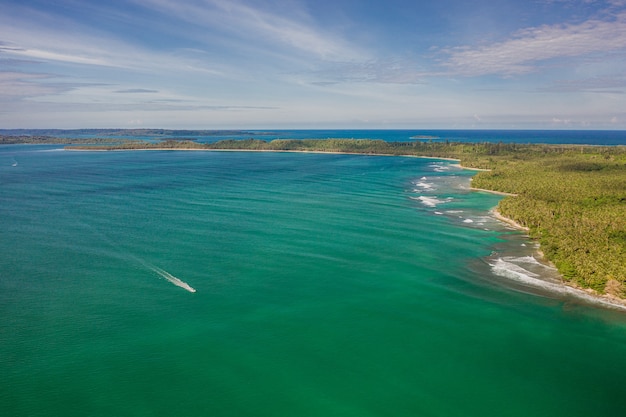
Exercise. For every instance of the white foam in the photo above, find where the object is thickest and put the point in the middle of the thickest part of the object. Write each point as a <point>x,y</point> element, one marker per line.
<point>508,269</point>
<point>523,259</point>
<point>505,268</point>
<point>438,212</point>
<point>424,184</point>
<point>171,278</point>
<point>429,201</point>
<point>468,221</point>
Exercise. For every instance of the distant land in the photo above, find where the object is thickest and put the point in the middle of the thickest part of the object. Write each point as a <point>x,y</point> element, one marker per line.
<point>120,132</point>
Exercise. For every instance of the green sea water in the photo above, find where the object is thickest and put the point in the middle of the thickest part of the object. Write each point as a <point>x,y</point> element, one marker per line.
<point>326,285</point>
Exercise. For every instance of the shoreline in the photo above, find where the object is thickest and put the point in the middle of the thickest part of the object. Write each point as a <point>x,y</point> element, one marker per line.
<point>571,289</point>
<point>83,149</point>
<point>495,213</point>
<point>492,191</point>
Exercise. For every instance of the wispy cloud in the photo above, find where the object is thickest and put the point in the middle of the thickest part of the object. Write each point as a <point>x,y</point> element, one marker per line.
<point>597,84</point>
<point>38,54</point>
<point>17,86</point>
<point>137,91</point>
<point>42,42</point>
<point>382,71</point>
<point>289,27</point>
<point>529,48</point>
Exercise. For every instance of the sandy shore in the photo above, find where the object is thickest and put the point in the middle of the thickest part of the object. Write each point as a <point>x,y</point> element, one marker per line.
<point>495,213</point>
<point>570,288</point>
<point>492,191</point>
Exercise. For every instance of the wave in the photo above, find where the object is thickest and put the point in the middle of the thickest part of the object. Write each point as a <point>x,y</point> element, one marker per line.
<point>524,259</point>
<point>439,167</point>
<point>506,268</point>
<point>423,184</point>
<point>430,201</point>
<point>171,278</point>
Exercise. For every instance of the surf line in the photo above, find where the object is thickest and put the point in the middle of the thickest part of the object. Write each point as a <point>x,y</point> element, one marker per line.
<point>171,278</point>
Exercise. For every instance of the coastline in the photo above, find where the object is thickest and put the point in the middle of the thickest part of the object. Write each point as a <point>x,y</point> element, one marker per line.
<point>495,213</point>
<point>84,149</point>
<point>565,288</point>
<point>568,288</point>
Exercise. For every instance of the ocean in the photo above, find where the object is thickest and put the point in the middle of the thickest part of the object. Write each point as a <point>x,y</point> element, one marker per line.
<point>163,283</point>
<point>580,137</point>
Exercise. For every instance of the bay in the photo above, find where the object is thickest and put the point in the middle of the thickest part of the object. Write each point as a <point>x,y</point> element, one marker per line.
<point>325,285</point>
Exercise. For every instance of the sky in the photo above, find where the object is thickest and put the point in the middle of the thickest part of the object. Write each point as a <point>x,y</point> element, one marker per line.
<point>300,64</point>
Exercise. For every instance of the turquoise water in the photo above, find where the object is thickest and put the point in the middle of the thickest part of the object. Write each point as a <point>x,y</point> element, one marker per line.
<point>326,285</point>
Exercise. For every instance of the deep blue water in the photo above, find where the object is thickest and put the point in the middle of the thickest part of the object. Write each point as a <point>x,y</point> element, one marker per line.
<point>590,137</point>
<point>520,136</point>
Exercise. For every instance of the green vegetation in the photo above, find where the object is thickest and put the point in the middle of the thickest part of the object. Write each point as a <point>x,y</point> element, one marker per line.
<point>572,198</point>
<point>574,202</point>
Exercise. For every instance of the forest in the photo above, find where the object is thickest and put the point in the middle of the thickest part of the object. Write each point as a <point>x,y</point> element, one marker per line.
<point>571,197</point>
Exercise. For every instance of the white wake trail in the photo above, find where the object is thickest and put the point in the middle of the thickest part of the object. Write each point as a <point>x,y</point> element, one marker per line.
<point>130,257</point>
<point>171,278</point>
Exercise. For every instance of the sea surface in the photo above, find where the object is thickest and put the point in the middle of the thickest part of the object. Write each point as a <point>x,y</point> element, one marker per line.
<point>179,283</point>
<point>587,137</point>
<point>579,137</point>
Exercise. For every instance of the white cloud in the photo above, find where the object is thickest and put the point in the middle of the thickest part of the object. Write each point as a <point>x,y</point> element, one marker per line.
<point>16,85</point>
<point>56,56</point>
<point>529,47</point>
<point>67,42</point>
<point>383,71</point>
<point>290,28</point>
<point>599,84</point>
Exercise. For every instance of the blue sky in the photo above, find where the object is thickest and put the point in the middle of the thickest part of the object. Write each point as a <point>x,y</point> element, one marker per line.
<point>269,64</point>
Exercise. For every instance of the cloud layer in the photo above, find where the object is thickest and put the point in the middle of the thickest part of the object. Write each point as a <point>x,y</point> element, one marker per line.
<point>531,48</point>
<point>219,63</point>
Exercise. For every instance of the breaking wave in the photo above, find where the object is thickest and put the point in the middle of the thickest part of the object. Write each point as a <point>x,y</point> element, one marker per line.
<point>424,185</point>
<point>510,268</point>
<point>430,201</point>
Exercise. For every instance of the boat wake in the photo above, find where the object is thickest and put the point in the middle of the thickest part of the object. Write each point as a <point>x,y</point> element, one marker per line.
<point>171,278</point>
<point>127,255</point>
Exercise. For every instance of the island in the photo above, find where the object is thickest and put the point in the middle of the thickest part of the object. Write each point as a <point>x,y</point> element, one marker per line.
<point>571,199</point>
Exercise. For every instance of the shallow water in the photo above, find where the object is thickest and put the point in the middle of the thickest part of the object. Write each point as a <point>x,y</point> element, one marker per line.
<point>325,285</point>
